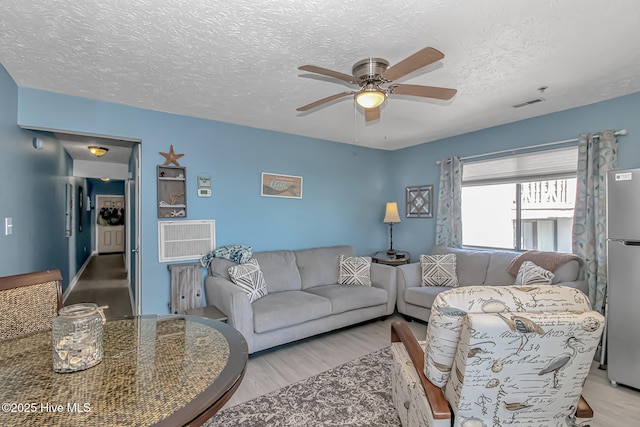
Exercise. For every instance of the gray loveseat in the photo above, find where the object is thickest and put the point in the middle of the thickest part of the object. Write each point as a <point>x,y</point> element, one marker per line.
<point>304,297</point>
<point>474,267</point>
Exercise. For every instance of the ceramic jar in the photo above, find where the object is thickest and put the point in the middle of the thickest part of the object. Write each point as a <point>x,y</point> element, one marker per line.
<point>77,337</point>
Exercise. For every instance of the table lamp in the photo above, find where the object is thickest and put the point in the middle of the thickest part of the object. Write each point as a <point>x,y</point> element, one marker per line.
<point>391,216</point>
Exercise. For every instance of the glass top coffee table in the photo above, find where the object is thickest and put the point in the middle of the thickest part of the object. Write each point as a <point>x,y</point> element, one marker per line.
<point>156,371</point>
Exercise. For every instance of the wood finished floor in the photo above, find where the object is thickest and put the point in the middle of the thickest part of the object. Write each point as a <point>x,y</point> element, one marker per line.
<point>104,282</point>
<point>272,369</point>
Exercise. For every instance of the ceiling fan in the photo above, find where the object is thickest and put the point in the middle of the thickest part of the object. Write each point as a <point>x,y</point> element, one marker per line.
<point>373,73</point>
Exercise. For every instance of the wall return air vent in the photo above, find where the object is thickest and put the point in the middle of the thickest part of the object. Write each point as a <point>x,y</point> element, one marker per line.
<point>185,240</point>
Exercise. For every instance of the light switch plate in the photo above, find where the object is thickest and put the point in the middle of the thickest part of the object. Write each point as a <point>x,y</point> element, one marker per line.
<point>8,226</point>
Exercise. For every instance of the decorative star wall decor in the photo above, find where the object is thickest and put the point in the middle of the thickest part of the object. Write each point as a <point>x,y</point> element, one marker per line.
<point>171,157</point>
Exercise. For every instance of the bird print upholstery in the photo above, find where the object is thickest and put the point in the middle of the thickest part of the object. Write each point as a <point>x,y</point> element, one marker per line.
<point>534,377</point>
<point>503,355</point>
<point>450,307</point>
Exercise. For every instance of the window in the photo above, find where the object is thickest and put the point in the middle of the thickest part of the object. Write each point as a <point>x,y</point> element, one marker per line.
<point>520,202</point>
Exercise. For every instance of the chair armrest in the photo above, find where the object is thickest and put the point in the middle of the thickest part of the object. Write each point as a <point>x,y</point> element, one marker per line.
<point>233,302</point>
<point>384,276</point>
<point>400,332</point>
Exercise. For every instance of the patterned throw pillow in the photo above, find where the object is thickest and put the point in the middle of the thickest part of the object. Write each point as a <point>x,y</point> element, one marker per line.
<point>355,270</point>
<point>249,278</point>
<point>530,274</point>
<point>439,270</point>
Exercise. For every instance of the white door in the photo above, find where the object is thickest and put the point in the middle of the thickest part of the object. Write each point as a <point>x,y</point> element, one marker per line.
<point>111,224</point>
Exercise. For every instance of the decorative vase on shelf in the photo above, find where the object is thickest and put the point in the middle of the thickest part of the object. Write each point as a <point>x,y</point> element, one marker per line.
<point>77,337</point>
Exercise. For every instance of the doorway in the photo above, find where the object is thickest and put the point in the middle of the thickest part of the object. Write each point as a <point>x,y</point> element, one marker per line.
<point>114,214</point>
<point>110,224</point>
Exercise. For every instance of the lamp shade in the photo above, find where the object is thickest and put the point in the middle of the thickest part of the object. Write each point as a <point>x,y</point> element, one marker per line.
<point>391,213</point>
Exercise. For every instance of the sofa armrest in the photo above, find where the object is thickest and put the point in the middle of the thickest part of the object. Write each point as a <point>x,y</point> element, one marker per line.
<point>410,275</point>
<point>384,276</point>
<point>407,276</point>
<point>233,302</point>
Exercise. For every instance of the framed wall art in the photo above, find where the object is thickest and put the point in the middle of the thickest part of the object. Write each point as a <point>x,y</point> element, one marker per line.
<point>68,212</point>
<point>80,206</point>
<point>277,185</point>
<point>419,201</point>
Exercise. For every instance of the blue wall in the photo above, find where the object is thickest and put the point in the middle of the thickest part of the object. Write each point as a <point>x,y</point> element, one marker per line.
<point>345,187</point>
<point>344,190</point>
<point>32,192</point>
<point>417,165</point>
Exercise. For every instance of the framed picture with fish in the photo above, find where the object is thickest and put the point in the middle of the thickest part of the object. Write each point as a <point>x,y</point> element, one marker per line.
<point>278,185</point>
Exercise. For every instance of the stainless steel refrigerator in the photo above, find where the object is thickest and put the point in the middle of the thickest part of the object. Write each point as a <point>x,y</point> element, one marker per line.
<point>623,277</point>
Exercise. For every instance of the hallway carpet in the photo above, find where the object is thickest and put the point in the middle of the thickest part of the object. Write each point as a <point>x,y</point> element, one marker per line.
<point>104,282</point>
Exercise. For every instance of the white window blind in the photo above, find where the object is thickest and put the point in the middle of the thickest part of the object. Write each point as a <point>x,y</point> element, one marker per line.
<point>547,164</point>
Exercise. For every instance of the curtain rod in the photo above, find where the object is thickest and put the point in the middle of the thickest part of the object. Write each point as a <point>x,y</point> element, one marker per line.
<point>513,150</point>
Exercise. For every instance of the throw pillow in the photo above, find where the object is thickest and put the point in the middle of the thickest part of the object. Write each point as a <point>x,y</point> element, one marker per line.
<point>355,270</point>
<point>439,270</point>
<point>531,274</point>
<point>249,278</point>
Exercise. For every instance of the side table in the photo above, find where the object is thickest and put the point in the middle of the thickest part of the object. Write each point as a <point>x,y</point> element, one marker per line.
<point>210,312</point>
<point>401,257</point>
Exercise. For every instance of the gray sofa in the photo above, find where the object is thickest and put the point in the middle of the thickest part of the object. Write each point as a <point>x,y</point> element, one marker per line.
<point>304,297</point>
<point>474,267</point>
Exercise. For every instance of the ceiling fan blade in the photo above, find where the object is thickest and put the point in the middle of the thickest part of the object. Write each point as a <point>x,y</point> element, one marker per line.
<point>418,60</point>
<point>425,91</point>
<point>371,114</point>
<point>330,73</point>
<point>323,101</point>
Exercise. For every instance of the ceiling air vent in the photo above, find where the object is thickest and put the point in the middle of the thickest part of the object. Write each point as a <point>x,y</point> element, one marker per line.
<point>533,101</point>
<point>185,240</point>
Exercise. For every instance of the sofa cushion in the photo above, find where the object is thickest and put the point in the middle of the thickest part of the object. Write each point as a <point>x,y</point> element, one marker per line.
<point>279,269</point>
<point>249,278</point>
<point>350,297</point>
<point>320,266</point>
<point>471,264</point>
<point>281,309</point>
<point>354,270</point>
<point>530,274</point>
<point>497,274</point>
<point>423,296</point>
<point>439,270</point>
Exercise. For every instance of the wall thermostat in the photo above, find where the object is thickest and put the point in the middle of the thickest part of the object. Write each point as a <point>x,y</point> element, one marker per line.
<point>204,186</point>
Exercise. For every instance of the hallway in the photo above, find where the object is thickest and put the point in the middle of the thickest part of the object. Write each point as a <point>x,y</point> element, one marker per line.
<point>104,282</point>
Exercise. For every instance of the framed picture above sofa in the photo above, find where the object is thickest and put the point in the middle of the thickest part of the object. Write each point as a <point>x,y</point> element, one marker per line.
<point>419,201</point>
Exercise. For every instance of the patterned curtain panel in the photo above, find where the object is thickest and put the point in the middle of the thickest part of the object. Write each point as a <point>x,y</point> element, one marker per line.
<point>449,216</point>
<point>596,156</point>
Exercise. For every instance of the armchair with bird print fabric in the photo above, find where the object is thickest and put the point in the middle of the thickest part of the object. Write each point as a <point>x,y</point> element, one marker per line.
<point>497,356</point>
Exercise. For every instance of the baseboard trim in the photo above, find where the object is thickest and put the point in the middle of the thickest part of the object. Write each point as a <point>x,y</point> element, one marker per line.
<point>74,282</point>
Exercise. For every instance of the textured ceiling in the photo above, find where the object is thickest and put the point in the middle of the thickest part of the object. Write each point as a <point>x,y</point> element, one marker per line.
<point>236,60</point>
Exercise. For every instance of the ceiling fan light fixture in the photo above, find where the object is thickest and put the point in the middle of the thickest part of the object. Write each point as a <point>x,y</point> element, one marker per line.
<point>98,151</point>
<point>370,98</point>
